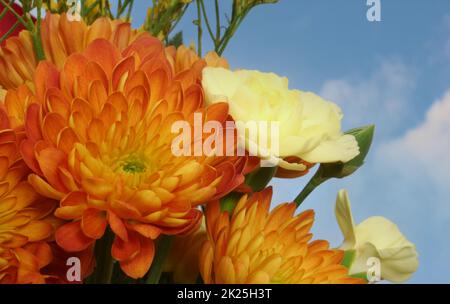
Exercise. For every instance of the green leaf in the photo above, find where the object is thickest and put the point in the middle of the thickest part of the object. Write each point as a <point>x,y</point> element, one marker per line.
<point>176,40</point>
<point>228,203</point>
<point>361,275</point>
<point>349,256</point>
<point>259,179</point>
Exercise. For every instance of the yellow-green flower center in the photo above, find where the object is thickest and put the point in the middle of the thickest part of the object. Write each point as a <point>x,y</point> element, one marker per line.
<point>134,166</point>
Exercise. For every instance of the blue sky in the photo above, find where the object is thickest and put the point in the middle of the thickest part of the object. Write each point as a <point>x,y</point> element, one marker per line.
<point>394,73</point>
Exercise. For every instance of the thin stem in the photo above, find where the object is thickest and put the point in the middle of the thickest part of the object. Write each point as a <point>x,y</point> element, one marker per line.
<point>217,20</point>
<point>5,10</point>
<point>92,6</point>
<point>119,7</point>
<point>83,8</point>
<point>235,23</point>
<point>205,16</point>
<point>130,8</point>
<point>9,32</point>
<point>162,21</point>
<point>152,13</point>
<point>174,25</point>
<point>108,10</point>
<point>102,8</point>
<point>39,16</point>
<point>199,29</point>
<point>36,32</point>
<point>313,183</point>
<point>162,251</point>
<point>122,8</point>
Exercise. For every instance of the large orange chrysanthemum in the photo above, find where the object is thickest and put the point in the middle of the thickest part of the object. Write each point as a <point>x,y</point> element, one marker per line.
<point>60,39</point>
<point>25,223</point>
<point>253,245</point>
<point>99,141</point>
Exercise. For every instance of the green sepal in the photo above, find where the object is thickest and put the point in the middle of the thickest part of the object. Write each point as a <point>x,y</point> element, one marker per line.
<point>349,257</point>
<point>364,137</point>
<point>228,203</point>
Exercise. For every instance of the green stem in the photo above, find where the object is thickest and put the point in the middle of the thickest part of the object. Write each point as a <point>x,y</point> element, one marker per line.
<point>162,250</point>
<point>108,11</point>
<point>199,29</point>
<point>4,11</point>
<point>217,8</point>
<point>36,33</point>
<point>83,8</point>
<point>130,8</point>
<point>149,19</point>
<point>121,8</point>
<point>205,17</point>
<point>105,262</point>
<point>8,33</point>
<point>235,24</point>
<point>89,8</point>
<point>174,25</point>
<point>313,183</point>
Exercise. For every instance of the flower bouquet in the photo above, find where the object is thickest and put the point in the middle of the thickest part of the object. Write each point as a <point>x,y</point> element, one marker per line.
<point>128,157</point>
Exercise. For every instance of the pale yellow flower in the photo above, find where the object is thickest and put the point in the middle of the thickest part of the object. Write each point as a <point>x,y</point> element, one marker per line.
<point>309,126</point>
<point>376,237</point>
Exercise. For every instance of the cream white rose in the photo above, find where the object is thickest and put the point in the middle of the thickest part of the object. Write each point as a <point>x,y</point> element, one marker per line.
<point>309,126</point>
<point>376,237</point>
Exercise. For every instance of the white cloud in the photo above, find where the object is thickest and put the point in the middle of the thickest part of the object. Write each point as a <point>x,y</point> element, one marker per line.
<point>427,146</point>
<point>381,98</point>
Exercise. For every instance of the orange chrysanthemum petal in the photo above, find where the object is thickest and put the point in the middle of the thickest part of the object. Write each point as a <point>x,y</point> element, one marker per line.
<point>137,266</point>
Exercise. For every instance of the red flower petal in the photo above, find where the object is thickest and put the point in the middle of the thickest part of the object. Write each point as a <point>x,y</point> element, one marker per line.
<point>117,226</point>
<point>93,223</point>
<point>71,237</point>
<point>138,266</point>
<point>123,251</point>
